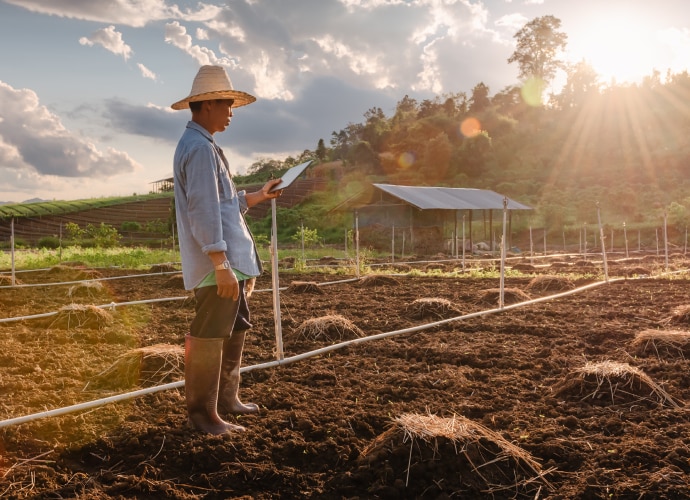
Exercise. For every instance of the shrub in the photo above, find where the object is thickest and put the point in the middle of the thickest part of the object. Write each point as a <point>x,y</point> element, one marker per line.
<point>130,226</point>
<point>49,242</point>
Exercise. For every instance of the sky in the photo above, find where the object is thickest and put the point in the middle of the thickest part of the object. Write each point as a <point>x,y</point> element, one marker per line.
<point>86,86</point>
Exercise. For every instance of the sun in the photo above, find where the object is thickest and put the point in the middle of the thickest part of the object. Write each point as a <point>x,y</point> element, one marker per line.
<point>619,46</point>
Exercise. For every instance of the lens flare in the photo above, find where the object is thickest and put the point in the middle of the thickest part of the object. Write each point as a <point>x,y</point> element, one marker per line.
<point>470,127</point>
<point>406,160</point>
<point>532,91</point>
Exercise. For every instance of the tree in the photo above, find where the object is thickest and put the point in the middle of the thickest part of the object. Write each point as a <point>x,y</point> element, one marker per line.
<point>582,82</point>
<point>321,150</point>
<point>539,44</point>
<point>479,100</point>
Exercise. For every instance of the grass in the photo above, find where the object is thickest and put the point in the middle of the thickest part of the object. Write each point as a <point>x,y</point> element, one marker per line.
<point>127,257</point>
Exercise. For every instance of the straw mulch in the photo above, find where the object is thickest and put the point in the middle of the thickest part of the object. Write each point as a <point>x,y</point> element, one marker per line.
<point>680,315</point>
<point>163,268</point>
<point>438,266</point>
<point>145,367</point>
<point>74,316</point>
<point>331,328</point>
<point>547,283</point>
<point>611,382</point>
<point>491,296</point>
<point>430,307</point>
<point>86,289</point>
<point>633,271</point>
<point>304,287</point>
<point>6,280</point>
<point>378,280</point>
<point>455,455</point>
<point>524,268</point>
<point>175,281</point>
<point>662,343</point>
<point>70,273</point>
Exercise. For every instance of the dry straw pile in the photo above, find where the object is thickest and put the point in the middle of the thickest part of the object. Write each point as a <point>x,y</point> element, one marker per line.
<point>163,268</point>
<point>679,316</point>
<point>79,316</point>
<point>331,328</point>
<point>378,280</point>
<point>546,283</point>
<point>70,273</point>
<point>86,289</point>
<point>424,447</point>
<point>145,367</point>
<point>491,296</point>
<point>7,280</point>
<point>305,287</point>
<point>673,343</point>
<point>614,382</point>
<point>430,307</point>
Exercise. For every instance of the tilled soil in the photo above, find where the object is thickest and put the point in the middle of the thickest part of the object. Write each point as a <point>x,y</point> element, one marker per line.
<point>578,396</point>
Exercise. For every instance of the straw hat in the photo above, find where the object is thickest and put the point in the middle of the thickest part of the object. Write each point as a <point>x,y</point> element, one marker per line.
<point>212,82</point>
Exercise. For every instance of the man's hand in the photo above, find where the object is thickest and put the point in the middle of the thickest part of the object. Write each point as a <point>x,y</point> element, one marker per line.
<point>228,287</point>
<point>264,194</point>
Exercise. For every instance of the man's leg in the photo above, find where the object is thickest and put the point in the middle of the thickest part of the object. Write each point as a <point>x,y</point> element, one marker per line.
<point>228,399</point>
<point>203,358</point>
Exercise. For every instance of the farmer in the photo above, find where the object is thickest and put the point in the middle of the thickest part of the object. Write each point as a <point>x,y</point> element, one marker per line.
<point>218,253</point>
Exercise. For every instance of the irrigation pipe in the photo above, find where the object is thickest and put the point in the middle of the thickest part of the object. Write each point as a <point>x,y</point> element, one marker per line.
<point>26,285</point>
<point>293,359</point>
<point>113,305</point>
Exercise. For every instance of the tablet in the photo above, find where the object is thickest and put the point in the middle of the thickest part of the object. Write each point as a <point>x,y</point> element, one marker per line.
<point>291,176</point>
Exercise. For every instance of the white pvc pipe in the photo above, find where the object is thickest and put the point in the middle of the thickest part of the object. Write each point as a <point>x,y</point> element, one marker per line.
<point>275,279</point>
<point>603,244</point>
<point>28,285</point>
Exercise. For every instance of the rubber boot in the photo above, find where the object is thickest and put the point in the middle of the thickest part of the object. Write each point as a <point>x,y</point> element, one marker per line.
<point>202,360</point>
<point>228,399</point>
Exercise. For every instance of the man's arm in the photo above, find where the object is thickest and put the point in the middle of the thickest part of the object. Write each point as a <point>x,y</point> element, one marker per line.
<point>264,194</point>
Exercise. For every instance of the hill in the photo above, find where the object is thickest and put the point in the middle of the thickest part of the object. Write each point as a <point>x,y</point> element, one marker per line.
<point>154,213</point>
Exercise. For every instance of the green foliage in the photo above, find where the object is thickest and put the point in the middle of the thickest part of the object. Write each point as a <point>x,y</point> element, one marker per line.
<point>73,231</point>
<point>127,257</point>
<point>310,237</point>
<point>156,226</point>
<point>48,242</point>
<point>103,235</point>
<point>130,226</point>
<point>539,44</point>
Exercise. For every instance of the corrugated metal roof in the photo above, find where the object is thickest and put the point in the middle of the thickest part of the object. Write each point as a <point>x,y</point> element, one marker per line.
<point>445,198</point>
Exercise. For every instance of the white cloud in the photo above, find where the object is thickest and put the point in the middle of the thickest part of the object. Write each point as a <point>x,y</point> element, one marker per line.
<point>33,142</point>
<point>136,13</point>
<point>146,73</point>
<point>270,81</point>
<point>109,39</point>
<point>514,22</point>
<point>176,35</point>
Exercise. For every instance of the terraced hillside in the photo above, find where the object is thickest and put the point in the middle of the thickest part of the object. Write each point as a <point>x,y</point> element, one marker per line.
<point>33,223</point>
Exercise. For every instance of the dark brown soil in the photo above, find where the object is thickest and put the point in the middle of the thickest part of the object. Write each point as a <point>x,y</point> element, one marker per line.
<point>331,425</point>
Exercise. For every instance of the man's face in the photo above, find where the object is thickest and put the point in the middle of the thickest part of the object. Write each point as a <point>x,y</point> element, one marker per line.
<point>221,113</point>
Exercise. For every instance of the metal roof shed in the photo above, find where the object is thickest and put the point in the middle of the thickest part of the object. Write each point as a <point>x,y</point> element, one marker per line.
<point>390,208</point>
<point>446,198</point>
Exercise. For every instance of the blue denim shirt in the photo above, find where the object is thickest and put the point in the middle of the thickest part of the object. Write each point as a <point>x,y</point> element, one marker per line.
<point>209,209</point>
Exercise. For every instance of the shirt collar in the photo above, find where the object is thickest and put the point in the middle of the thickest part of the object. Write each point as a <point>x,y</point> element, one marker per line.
<point>195,126</point>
